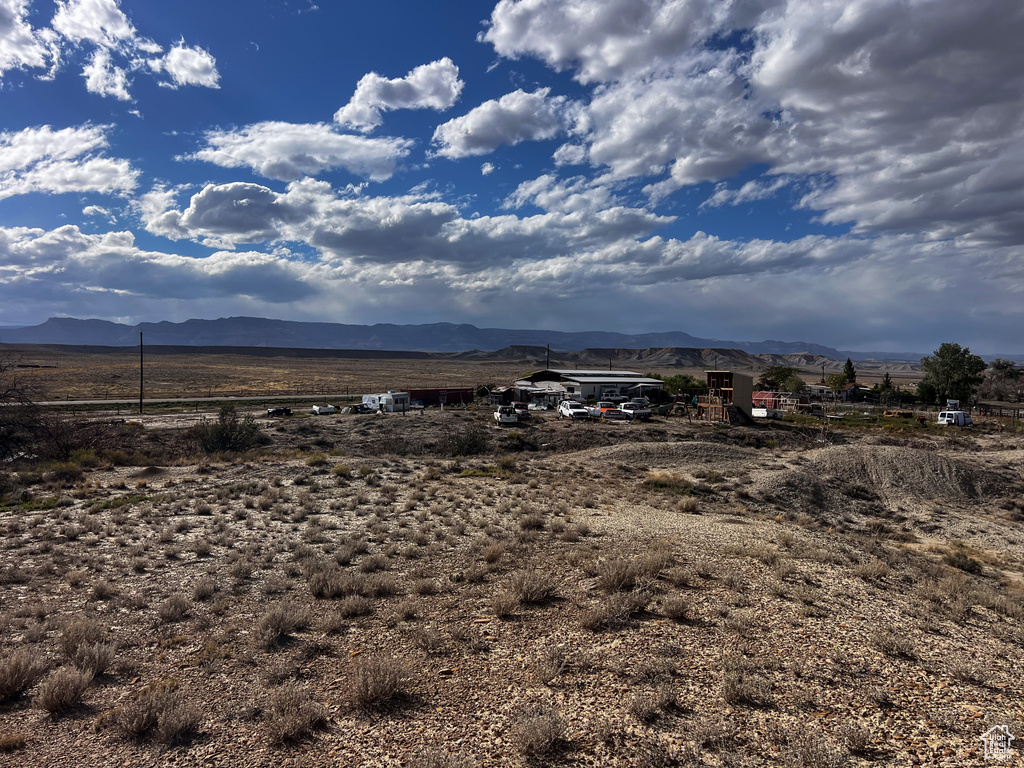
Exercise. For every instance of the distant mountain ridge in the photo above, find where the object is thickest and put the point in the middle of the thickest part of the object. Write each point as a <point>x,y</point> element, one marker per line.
<point>433,337</point>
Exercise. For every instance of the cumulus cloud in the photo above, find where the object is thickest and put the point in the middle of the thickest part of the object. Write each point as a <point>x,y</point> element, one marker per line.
<point>900,117</point>
<point>430,86</point>
<point>101,33</point>
<point>288,151</point>
<point>60,161</point>
<point>104,78</point>
<point>487,169</point>
<point>188,66</point>
<point>21,46</point>
<point>515,117</point>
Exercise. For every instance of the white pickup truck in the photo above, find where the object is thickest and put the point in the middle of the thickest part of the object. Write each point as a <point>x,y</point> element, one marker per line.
<point>505,414</point>
<point>321,410</point>
<point>636,410</point>
<point>570,409</point>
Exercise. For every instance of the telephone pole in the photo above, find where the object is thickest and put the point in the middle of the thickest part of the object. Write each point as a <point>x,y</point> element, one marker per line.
<point>141,377</point>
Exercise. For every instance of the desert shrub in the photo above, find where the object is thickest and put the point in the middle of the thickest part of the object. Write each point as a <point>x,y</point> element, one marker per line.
<point>229,434</point>
<point>19,672</point>
<point>94,658</point>
<point>12,742</point>
<point>963,561</point>
<point>61,690</point>
<point>459,439</point>
<point>204,588</point>
<point>173,609</point>
<point>811,750</point>
<point>81,632</point>
<point>532,587</point>
<point>354,606</point>
<point>892,643</point>
<point>741,687</point>
<point>614,611</point>
<point>618,575</point>
<point>550,665</point>
<point>280,621</point>
<point>648,706</point>
<point>675,608</point>
<point>293,715</point>
<point>159,710</point>
<point>504,604</point>
<point>539,732</point>
<point>377,682</point>
<point>668,483</point>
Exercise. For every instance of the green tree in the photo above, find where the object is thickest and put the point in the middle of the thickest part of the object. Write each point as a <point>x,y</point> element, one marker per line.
<point>230,433</point>
<point>886,382</point>
<point>1003,381</point>
<point>953,371</point>
<point>780,378</point>
<point>849,371</point>
<point>836,382</point>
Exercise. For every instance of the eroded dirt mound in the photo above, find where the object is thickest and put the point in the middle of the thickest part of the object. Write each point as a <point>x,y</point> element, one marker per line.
<point>839,479</point>
<point>670,455</point>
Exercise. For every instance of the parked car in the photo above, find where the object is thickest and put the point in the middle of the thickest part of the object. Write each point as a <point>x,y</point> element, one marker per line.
<point>597,410</point>
<point>539,405</point>
<point>955,419</point>
<point>636,410</point>
<point>505,414</point>
<point>323,410</point>
<point>522,411</point>
<point>570,409</point>
<point>279,412</point>
<point>615,414</point>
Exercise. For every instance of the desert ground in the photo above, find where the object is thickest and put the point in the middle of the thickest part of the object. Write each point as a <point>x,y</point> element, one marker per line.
<point>432,590</point>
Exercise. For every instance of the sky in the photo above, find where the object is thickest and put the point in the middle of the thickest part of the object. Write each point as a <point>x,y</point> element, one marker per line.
<point>843,172</point>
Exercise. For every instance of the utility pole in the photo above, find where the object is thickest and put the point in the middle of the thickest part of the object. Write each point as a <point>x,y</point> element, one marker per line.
<point>141,378</point>
<point>547,359</point>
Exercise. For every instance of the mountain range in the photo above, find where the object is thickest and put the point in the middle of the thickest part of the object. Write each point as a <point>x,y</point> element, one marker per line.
<point>433,337</point>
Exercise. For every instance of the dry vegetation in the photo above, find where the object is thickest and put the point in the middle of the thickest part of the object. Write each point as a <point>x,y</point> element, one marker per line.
<point>430,590</point>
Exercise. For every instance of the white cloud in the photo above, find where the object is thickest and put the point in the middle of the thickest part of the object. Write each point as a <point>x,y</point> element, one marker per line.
<point>568,195</point>
<point>487,169</point>
<point>289,151</point>
<point>515,117</point>
<point>104,78</point>
<point>570,154</point>
<point>749,192</point>
<point>20,45</point>
<point>430,86</point>
<point>100,31</point>
<point>188,66</point>
<point>902,117</point>
<point>100,22</point>
<point>61,161</point>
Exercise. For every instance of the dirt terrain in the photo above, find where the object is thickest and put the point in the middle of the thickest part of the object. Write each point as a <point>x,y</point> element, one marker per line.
<point>432,590</point>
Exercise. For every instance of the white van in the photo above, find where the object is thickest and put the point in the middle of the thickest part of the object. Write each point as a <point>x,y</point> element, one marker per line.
<point>954,419</point>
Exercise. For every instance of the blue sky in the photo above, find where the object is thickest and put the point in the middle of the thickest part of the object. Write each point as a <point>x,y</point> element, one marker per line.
<point>849,173</point>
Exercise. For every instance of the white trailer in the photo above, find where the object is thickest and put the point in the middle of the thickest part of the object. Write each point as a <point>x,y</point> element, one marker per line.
<point>392,402</point>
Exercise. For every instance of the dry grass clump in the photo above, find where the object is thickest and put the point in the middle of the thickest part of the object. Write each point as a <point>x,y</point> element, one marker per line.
<point>174,609</point>
<point>279,622</point>
<point>378,681</point>
<point>892,643</point>
<point>742,683</point>
<point>19,672</point>
<point>618,575</point>
<point>550,665</point>
<point>539,732</point>
<point>675,608</point>
<point>614,611</point>
<point>532,587</point>
<point>650,705</point>
<point>159,711</point>
<point>293,715</point>
<point>12,742</point>
<point>62,690</point>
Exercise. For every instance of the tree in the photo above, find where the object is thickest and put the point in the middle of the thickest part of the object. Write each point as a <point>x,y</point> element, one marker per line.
<point>953,372</point>
<point>1003,381</point>
<point>836,382</point>
<point>18,413</point>
<point>886,382</point>
<point>229,433</point>
<point>849,371</point>
<point>780,378</point>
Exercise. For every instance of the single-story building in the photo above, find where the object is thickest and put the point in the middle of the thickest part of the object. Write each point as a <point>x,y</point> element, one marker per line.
<point>560,383</point>
<point>443,395</point>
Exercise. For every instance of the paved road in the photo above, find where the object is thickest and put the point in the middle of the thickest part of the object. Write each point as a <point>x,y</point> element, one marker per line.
<point>311,399</point>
